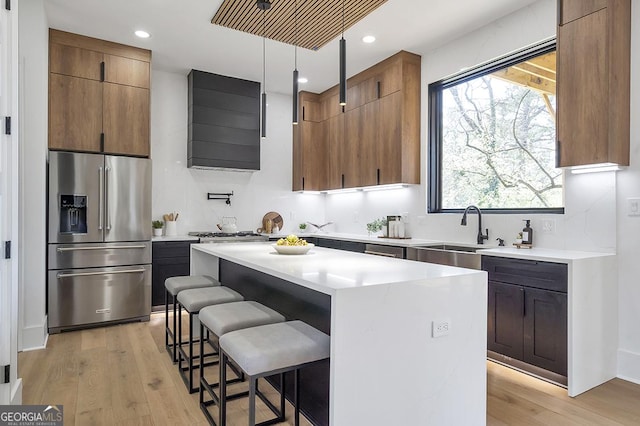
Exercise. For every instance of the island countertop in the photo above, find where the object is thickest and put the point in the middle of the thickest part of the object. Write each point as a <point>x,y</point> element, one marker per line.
<point>327,270</point>
<point>382,315</point>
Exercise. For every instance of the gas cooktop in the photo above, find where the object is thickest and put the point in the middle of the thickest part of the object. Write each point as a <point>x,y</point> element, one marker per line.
<point>212,237</point>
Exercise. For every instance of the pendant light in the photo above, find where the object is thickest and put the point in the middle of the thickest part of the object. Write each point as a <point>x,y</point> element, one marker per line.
<point>264,5</point>
<point>295,67</point>
<point>343,64</point>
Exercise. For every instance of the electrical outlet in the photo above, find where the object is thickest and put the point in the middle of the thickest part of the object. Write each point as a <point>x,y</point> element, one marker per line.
<point>292,215</point>
<point>440,328</point>
<point>633,206</point>
<point>356,217</point>
<point>548,226</point>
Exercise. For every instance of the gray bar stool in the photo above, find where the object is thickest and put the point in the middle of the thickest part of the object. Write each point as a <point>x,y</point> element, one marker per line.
<point>172,287</point>
<point>267,350</point>
<point>192,301</point>
<point>221,319</point>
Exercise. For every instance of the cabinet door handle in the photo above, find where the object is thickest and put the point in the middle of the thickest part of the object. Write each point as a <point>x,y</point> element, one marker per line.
<point>102,71</point>
<point>100,199</point>
<point>378,89</point>
<point>102,142</point>
<point>377,176</point>
<point>303,183</point>
<point>303,118</point>
<point>63,249</point>
<point>524,303</point>
<point>343,180</point>
<point>559,15</point>
<point>89,274</point>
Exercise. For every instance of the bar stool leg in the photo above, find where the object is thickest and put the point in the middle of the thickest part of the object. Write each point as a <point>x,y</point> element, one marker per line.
<point>166,319</point>
<point>296,396</point>
<point>223,388</point>
<point>201,357</point>
<point>175,359</point>
<point>282,394</point>
<point>190,352</point>
<point>252,401</point>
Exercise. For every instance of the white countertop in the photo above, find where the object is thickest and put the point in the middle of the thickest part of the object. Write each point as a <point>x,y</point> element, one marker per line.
<point>542,254</point>
<point>374,239</point>
<point>175,238</point>
<point>327,270</point>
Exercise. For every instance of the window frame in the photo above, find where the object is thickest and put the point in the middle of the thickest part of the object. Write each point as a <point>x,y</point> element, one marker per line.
<point>434,178</point>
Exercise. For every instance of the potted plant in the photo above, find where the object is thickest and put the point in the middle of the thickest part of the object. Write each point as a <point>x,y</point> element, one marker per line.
<point>374,226</point>
<point>302,226</point>
<point>157,227</point>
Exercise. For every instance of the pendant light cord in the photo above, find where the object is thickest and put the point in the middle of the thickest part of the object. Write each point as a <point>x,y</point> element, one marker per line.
<point>342,18</point>
<point>295,28</point>
<point>264,56</point>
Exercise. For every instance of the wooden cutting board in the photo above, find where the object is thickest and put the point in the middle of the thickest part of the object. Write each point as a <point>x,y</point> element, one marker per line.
<point>276,219</point>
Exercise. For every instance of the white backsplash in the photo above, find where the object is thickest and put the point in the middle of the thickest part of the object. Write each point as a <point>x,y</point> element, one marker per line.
<point>179,189</point>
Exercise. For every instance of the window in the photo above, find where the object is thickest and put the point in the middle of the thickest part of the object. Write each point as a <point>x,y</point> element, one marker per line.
<point>492,141</point>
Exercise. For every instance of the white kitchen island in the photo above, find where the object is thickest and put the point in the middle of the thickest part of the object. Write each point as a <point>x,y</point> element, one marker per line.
<point>385,367</point>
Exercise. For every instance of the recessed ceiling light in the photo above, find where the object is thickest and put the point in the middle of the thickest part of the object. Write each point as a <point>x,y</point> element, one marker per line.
<point>142,34</point>
<point>368,39</point>
<point>303,80</point>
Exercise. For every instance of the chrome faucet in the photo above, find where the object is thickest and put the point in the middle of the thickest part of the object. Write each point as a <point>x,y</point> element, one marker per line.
<point>481,237</point>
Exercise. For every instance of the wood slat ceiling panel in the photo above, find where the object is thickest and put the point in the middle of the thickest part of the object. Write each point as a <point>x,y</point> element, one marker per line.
<point>319,21</point>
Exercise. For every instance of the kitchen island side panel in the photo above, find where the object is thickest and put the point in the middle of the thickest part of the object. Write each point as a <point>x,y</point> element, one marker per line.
<point>387,369</point>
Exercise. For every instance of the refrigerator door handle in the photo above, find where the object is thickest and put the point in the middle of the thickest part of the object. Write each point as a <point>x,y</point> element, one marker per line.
<point>63,249</point>
<point>100,197</point>
<point>87,274</point>
<point>106,198</point>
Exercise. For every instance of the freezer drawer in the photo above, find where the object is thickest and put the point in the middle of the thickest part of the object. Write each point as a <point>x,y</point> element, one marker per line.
<point>87,297</point>
<point>67,256</point>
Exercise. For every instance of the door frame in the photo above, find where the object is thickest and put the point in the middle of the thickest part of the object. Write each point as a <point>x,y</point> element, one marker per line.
<point>10,393</point>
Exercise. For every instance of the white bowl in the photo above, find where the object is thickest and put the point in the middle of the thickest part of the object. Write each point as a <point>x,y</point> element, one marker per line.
<point>292,249</point>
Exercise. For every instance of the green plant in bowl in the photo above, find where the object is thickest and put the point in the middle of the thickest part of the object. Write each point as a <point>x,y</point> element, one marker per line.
<point>302,226</point>
<point>157,224</point>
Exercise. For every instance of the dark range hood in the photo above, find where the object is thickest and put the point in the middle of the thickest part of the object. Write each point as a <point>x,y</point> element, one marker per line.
<point>224,122</point>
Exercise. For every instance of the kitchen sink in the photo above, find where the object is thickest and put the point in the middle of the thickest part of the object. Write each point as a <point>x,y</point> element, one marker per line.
<point>446,254</point>
<point>452,248</point>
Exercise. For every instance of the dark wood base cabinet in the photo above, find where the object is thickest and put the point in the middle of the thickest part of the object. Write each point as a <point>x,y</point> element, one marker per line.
<point>527,315</point>
<point>169,259</point>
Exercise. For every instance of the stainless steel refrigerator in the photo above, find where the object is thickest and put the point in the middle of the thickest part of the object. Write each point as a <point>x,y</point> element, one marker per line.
<point>99,240</point>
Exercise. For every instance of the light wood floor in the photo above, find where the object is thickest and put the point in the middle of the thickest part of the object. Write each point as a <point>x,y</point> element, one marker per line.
<point>123,375</point>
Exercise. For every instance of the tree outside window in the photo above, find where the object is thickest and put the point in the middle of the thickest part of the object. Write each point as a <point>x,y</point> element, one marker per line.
<point>497,138</point>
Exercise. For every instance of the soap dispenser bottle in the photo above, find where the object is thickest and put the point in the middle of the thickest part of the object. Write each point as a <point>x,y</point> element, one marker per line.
<point>527,233</point>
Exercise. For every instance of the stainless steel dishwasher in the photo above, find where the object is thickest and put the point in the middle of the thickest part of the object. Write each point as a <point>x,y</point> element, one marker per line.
<point>386,251</point>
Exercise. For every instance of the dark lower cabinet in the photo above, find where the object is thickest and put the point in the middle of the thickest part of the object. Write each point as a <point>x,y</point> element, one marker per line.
<point>169,259</point>
<point>354,246</point>
<point>545,330</point>
<point>505,320</point>
<point>527,313</point>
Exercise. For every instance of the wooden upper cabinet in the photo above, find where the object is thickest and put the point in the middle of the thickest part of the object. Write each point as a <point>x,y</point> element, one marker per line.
<point>126,120</point>
<point>334,142</point>
<point>374,141</point>
<point>309,153</point>
<point>75,113</point>
<point>127,71</point>
<point>75,61</point>
<point>98,88</point>
<point>311,110</point>
<point>593,73</point>
<point>570,10</point>
<point>389,80</point>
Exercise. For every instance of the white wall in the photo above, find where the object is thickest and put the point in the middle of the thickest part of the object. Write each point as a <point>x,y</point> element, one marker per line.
<point>628,232</point>
<point>179,189</point>
<point>33,80</point>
